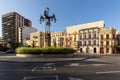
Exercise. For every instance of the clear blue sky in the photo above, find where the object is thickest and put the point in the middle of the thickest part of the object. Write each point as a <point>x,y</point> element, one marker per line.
<point>68,12</point>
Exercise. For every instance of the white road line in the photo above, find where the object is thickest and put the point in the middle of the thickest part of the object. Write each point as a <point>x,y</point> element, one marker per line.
<point>45,67</point>
<point>32,77</point>
<point>50,64</point>
<point>107,72</point>
<point>57,77</point>
<point>77,64</point>
<point>74,64</point>
<point>70,78</point>
<point>35,68</point>
<point>98,64</point>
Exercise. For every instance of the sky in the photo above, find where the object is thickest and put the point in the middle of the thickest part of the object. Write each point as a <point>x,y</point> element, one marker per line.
<point>68,12</point>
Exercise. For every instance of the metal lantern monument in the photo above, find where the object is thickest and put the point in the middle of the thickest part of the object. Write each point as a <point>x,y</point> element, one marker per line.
<point>48,19</point>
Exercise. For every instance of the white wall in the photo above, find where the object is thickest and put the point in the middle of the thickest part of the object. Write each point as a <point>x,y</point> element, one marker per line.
<point>76,28</point>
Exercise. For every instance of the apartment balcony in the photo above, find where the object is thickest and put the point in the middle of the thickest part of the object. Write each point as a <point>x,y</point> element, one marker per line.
<point>107,45</point>
<point>107,38</point>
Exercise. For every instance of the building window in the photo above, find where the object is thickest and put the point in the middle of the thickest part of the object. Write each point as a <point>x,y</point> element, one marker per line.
<point>107,36</point>
<point>70,43</point>
<point>101,36</point>
<point>74,39</point>
<point>80,43</point>
<point>80,36</point>
<point>94,34</point>
<point>101,43</point>
<point>81,50</point>
<point>107,50</point>
<point>94,42</point>
<point>90,35</point>
<point>95,50</point>
<point>89,42</point>
<point>107,43</point>
<point>41,36</point>
<point>113,36</point>
<point>84,35</point>
<point>85,43</point>
<point>70,38</point>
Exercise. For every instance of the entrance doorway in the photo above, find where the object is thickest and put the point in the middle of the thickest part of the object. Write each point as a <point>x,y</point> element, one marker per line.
<point>102,50</point>
<point>94,50</point>
<point>80,50</point>
<point>87,50</point>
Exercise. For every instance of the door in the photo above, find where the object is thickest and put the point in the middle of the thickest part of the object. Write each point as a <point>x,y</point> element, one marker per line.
<point>94,50</point>
<point>102,50</point>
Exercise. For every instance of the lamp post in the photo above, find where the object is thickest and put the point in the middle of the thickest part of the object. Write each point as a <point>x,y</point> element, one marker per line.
<point>48,19</point>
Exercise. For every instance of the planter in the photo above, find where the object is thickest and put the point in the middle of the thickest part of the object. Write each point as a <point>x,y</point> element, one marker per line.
<point>45,56</point>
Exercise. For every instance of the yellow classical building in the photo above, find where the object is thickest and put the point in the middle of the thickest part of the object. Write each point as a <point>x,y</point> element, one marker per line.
<point>36,39</point>
<point>57,39</point>
<point>107,41</point>
<point>84,30</point>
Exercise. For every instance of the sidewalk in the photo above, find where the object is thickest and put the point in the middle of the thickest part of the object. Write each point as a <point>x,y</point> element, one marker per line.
<point>14,58</point>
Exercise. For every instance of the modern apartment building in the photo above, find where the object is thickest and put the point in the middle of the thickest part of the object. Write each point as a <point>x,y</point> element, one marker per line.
<point>1,41</point>
<point>13,27</point>
<point>26,31</point>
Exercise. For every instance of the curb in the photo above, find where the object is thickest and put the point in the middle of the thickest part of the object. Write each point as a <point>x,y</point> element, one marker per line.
<point>43,56</point>
<point>30,60</point>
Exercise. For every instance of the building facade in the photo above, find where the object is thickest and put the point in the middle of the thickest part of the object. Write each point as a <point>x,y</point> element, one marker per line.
<point>74,31</point>
<point>26,31</point>
<point>107,41</point>
<point>12,27</point>
<point>92,38</point>
<point>1,41</point>
<point>36,39</point>
<point>89,40</point>
<point>57,39</point>
<point>70,40</point>
<point>118,38</point>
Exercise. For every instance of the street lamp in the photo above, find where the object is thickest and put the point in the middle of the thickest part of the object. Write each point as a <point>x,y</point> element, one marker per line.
<point>47,18</point>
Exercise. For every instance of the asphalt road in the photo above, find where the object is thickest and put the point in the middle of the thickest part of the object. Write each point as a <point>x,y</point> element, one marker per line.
<point>94,68</point>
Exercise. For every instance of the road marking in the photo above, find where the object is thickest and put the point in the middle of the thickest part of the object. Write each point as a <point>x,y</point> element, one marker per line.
<point>35,68</point>
<point>70,78</point>
<point>77,64</point>
<point>49,63</point>
<point>55,77</point>
<point>45,67</point>
<point>74,64</point>
<point>107,72</point>
<point>98,64</point>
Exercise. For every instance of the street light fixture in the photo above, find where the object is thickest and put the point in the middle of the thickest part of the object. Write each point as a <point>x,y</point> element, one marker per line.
<point>48,19</point>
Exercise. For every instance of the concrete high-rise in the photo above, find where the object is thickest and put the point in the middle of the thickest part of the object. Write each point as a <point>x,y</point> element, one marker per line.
<point>13,25</point>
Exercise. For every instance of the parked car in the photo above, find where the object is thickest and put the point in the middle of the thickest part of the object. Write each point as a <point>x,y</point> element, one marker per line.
<point>10,51</point>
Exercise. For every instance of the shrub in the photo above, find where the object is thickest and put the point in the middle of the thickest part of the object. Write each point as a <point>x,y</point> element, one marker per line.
<point>3,48</point>
<point>47,50</point>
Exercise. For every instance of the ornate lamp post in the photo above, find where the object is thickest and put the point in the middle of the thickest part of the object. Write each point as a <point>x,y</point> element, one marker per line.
<point>47,18</point>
